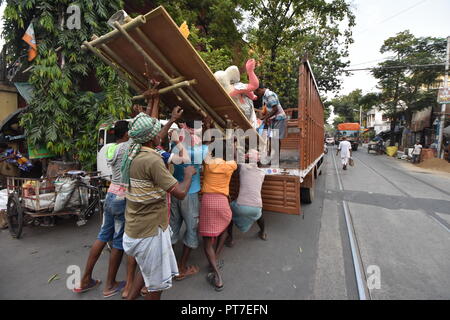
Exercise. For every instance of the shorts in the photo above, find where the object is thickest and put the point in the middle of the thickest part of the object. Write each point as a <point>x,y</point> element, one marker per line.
<point>245,216</point>
<point>113,221</point>
<point>186,210</point>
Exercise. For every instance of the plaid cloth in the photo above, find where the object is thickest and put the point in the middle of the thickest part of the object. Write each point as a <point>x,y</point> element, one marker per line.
<point>215,215</point>
<point>270,100</point>
<point>142,129</point>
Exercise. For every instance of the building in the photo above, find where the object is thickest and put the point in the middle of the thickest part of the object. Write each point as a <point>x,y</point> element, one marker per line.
<point>377,121</point>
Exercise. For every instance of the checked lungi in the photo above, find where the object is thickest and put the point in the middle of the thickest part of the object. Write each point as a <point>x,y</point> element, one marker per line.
<point>215,215</point>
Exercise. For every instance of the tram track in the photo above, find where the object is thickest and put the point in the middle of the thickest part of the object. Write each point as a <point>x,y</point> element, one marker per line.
<point>441,222</point>
<point>358,265</point>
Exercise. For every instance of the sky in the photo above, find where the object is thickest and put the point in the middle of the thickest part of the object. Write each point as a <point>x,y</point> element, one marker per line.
<point>377,20</point>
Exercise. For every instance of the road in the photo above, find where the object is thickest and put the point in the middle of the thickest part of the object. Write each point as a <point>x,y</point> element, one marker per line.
<point>400,227</point>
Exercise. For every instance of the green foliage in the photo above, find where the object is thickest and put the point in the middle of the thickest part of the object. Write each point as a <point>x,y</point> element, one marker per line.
<point>284,31</point>
<point>62,115</point>
<point>348,106</point>
<point>409,85</point>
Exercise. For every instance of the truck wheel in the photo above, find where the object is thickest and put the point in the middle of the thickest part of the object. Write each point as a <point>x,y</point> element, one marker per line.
<point>307,195</point>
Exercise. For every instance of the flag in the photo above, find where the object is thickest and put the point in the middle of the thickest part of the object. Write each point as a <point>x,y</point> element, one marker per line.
<point>184,29</point>
<point>29,38</point>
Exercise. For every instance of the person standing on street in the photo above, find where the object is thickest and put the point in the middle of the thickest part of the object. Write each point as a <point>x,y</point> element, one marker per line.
<point>113,221</point>
<point>247,208</point>
<point>188,209</point>
<point>416,152</point>
<point>345,148</point>
<point>147,231</point>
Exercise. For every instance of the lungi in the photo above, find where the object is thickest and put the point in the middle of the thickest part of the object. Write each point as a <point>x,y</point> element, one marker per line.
<point>215,215</point>
<point>155,258</point>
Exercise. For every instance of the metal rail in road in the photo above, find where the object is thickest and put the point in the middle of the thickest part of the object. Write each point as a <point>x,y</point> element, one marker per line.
<point>361,281</point>
<point>431,214</point>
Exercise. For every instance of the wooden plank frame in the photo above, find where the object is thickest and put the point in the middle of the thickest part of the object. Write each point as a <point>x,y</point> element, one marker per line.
<point>152,47</point>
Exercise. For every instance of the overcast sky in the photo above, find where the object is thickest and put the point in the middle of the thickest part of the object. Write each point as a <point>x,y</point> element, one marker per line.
<point>378,20</point>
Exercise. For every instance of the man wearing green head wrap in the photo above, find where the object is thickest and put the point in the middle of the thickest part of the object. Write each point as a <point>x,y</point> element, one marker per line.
<point>147,234</point>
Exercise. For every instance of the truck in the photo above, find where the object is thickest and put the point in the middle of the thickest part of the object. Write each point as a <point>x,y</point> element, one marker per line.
<point>147,43</point>
<point>352,131</point>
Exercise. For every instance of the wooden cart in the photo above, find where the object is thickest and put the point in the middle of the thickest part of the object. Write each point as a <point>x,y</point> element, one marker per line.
<point>32,201</point>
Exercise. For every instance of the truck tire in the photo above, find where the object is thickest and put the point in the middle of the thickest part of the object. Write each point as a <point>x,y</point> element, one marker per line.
<point>307,195</point>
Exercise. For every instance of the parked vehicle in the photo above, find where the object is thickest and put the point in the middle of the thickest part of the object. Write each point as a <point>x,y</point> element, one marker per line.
<point>302,152</point>
<point>351,131</point>
<point>329,140</point>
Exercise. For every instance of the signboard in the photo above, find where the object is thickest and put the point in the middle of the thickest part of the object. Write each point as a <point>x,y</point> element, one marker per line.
<point>39,153</point>
<point>444,96</point>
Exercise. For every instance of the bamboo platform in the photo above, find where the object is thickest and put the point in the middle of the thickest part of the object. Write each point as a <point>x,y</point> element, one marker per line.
<point>152,47</point>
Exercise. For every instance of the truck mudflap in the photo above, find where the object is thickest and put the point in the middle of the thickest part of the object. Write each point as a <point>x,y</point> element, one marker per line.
<point>280,193</point>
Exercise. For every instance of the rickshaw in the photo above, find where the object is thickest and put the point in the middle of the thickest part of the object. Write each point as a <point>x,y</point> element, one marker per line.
<point>33,201</point>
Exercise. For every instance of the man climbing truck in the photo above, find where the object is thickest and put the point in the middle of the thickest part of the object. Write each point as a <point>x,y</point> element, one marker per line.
<point>351,131</point>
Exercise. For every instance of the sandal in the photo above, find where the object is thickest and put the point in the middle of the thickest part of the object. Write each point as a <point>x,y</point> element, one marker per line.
<point>92,284</point>
<point>190,271</point>
<point>262,236</point>
<point>120,286</point>
<point>220,263</point>
<point>211,278</point>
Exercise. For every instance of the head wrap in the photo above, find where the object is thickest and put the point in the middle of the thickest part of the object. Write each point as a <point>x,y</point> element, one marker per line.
<point>142,129</point>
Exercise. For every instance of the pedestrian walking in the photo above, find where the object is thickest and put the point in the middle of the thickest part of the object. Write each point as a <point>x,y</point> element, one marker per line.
<point>345,148</point>
<point>417,150</point>
<point>147,231</point>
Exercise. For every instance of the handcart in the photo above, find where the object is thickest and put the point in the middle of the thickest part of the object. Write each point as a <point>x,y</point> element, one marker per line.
<point>38,201</point>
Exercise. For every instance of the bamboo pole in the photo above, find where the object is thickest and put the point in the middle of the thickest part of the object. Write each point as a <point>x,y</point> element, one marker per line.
<point>123,64</point>
<point>170,88</point>
<point>138,21</point>
<point>112,65</point>
<point>158,53</point>
<point>206,106</point>
<point>160,70</point>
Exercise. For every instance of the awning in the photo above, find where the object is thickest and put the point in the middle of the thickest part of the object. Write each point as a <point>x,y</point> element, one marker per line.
<point>25,90</point>
<point>12,118</point>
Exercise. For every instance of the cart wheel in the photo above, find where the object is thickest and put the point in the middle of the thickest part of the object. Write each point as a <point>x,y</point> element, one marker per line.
<point>15,216</point>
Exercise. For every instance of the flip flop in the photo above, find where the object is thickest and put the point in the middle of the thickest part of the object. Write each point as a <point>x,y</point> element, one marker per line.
<point>116,290</point>
<point>143,291</point>
<point>220,264</point>
<point>92,284</point>
<point>262,236</point>
<point>211,278</point>
<point>190,271</point>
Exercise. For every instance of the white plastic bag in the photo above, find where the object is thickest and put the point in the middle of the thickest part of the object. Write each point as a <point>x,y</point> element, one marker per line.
<point>68,196</point>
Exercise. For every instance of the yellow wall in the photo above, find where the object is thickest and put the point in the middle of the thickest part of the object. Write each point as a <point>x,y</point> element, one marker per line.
<point>8,103</point>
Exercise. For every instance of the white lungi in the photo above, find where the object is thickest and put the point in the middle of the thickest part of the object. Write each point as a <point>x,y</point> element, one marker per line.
<point>155,258</point>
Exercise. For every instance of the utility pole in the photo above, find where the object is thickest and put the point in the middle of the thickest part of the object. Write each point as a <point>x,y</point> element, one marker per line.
<point>444,106</point>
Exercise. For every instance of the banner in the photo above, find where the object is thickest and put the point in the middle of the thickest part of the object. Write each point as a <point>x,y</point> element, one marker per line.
<point>30,38</point>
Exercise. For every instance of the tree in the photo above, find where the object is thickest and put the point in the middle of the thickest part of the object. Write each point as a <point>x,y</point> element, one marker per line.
<point>65,113</point>
<point>348,107</point>
<point>402,83</point>
<point>284,31</point>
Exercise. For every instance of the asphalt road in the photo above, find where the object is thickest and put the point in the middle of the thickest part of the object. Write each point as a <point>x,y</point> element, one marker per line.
<point>401,226</point>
